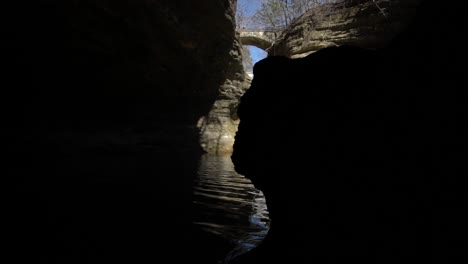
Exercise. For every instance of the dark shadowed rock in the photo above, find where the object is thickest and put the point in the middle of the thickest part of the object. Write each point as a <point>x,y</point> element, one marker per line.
<point>102,100</point>
<point>361,154</point>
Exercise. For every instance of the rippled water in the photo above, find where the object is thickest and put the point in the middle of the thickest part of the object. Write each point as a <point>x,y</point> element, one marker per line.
<point>229,206</point>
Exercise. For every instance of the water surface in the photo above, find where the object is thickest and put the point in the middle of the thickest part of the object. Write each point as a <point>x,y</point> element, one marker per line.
<point>228,205</point>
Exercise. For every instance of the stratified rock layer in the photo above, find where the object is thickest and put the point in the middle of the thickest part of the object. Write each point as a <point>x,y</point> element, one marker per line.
<point>362,23</point>
<point>219,126</point>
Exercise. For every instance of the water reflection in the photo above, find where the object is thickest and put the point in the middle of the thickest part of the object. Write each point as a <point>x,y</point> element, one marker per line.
<point>228,205</point>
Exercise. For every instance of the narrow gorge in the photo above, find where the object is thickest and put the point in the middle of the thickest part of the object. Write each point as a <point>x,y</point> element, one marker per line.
<point>366,24</point>
<point>121,119</point>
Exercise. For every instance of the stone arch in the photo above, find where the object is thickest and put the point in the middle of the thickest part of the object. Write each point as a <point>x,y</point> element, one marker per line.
<point>259,39</point>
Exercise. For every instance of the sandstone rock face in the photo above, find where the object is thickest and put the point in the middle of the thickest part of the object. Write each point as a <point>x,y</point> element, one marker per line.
<point>362,23</point>
<point>218,127</point>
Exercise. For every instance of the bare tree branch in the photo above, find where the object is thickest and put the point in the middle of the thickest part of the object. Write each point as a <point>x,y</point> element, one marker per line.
<point>380,9</point>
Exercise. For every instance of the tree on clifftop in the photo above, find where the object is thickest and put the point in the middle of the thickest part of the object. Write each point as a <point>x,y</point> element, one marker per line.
<point>278,14</point>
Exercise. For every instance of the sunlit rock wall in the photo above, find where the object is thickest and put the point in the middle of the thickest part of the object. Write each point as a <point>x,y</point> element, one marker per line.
<point>219,126</point>
<point>363,23</point>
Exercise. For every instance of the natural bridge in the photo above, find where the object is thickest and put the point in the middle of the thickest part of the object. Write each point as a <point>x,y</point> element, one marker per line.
<point>260,39</point>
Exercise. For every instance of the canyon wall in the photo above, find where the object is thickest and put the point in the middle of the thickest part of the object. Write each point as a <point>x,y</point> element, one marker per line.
<point>362,23</point>
<point>219,126</point>
<point>101,104</point>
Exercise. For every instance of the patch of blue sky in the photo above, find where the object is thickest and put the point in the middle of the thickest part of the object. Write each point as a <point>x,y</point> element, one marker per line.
<point>257,54</point>
<point>250,7</point>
